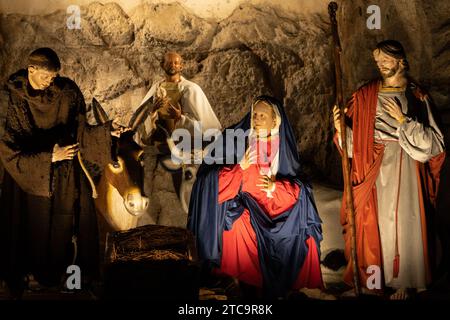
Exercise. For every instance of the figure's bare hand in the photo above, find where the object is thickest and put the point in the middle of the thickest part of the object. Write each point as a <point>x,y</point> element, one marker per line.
<point>116,124</point>
<point>174,112</point>
<point>160,103</point>
<point>266,183</point>
<point>153,118</point>
<point>394,109</point>
<point>248,159</point>
<point>64,153</point>
<point>118,129</point>
<point>337,117</point>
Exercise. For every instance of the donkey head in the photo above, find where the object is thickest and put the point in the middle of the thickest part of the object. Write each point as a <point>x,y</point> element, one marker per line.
<point>125,172</point>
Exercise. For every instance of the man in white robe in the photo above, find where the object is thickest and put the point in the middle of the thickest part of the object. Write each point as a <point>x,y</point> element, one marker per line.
<point>176,103</point>
<point>178,99</point>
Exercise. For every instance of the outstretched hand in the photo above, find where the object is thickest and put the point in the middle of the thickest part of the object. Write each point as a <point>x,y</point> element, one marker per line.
<point>248,159</point>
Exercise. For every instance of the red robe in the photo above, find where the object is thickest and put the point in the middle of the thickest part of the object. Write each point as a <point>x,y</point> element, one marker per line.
<point>240,247</point>
<point>365,166</point>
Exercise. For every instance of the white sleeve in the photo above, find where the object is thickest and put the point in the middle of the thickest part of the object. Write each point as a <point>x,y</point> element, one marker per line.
<point>421,142</point>
<point>197,108</point>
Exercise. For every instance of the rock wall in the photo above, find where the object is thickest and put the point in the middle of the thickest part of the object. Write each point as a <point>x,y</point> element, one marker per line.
<point>257,49</point>
<point>208,9</point>
<point>423,27</point>
<point>115,57</point>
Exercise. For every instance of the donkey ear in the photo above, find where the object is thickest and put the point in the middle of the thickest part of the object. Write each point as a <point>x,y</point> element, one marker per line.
<point>100,114</point>
<point>140,114</point>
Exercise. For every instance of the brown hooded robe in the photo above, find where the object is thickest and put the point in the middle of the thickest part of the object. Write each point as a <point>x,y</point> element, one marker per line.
<point>44,204</point>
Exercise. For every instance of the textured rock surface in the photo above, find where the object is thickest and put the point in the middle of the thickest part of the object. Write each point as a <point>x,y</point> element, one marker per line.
<point>423,27</point>
<point>114,57</point>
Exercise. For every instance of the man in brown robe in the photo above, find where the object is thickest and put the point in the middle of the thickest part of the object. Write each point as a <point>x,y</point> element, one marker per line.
<point>47,216</point>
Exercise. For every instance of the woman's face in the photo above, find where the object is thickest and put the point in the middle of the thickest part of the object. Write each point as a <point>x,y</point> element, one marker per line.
<point>263,118</point>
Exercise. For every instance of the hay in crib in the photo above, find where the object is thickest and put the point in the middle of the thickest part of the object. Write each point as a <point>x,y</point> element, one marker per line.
<point>150,243</point>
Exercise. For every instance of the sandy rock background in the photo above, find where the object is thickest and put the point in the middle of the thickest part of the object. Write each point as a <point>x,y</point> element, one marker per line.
<point>258,49</point>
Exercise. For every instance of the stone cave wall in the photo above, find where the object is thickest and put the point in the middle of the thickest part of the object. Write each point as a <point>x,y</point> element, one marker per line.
<point>258,49</point>
<point>115,57</point>
<point>423,27</point>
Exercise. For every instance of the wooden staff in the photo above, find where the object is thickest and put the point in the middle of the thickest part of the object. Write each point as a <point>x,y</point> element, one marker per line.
<point>332,8</point>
